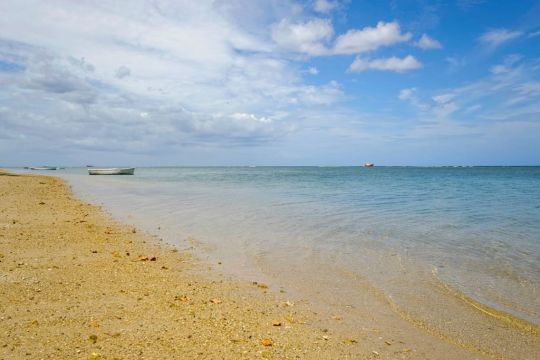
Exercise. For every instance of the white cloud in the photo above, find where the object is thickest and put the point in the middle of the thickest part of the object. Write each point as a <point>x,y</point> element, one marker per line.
<point>467,4</point>
<point>370,38</point>
<point>313,70</point>
<point>507,65</point>
<point>426,42</point>
<point>455,62</point>
<point>406,94</point>
<point>313,37</point>
<point>440,106</point>
<point>251,118</point>
<point>443,110</point>
<point>191,70</point>
<point>325,6</point>
<point>529,88</point>
<point>410,95</point>
<point>498,69</point>
<point>534,34</point>
<point>510,93</point>
<point>388,64</point>
<point>307,37</point>
<point>497,37</point>
<point>443,98</point>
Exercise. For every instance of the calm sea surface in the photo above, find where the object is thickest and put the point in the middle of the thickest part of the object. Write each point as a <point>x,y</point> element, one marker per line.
<point>475,230</point>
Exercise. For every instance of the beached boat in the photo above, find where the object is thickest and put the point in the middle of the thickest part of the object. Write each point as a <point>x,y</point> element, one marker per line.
<point>369,165</point>
<point>111,171</point>
<point>44,168</point>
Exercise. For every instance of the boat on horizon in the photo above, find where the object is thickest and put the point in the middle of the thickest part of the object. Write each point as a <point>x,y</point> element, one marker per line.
<point>44,168</point>
<point>369,164</point>
<point>111,171</point>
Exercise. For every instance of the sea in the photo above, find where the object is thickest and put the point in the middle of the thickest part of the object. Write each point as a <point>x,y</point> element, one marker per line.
<point>408,232</point>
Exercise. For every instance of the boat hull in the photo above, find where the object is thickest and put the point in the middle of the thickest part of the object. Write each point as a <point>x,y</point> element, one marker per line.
<point>111,171</point>
<point>44,168</point>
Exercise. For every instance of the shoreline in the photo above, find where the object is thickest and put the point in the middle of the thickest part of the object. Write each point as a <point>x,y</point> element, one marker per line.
<point>77,285</point>
<point>177,215</point>
<point>315,335</point>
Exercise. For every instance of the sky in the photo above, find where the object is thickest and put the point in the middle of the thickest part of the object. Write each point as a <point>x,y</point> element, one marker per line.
<point>253,82</point>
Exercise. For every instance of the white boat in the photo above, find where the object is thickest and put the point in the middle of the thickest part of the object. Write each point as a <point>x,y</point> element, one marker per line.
<point>369,165</point>
<point>111,171</point>
<point>44,168</point>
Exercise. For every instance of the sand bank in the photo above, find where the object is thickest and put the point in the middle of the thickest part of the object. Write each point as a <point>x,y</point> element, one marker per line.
<point>75,284</point>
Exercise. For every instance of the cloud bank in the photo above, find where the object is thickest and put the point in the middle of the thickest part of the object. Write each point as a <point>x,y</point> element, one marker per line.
<point>87,73</point>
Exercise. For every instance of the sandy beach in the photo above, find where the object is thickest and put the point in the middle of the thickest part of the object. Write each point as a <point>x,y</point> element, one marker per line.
<point>75,284</point>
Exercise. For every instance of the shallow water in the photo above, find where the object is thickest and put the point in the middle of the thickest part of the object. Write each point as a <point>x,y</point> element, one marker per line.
<point>404,229</point>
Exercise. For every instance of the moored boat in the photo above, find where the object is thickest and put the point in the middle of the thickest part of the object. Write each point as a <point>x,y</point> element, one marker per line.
<point>44,168</point>
<point>111,171</point>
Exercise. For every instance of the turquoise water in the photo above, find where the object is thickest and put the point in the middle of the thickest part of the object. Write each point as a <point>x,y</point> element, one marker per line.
<point>476,229</point>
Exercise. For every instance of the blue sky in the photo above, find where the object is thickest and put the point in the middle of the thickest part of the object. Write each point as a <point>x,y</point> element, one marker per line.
<point>319,82</point>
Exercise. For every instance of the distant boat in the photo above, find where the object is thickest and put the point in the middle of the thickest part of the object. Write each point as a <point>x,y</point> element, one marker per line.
<point>111,171</point>
<point>369,165</point>
<point>89,165</point>
<point>44,168</point>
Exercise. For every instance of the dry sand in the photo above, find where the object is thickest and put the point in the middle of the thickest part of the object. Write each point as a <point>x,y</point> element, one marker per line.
<point>76,285</point>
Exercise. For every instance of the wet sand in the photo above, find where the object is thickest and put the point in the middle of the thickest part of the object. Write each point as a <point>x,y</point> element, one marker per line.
<point>75,284</point>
